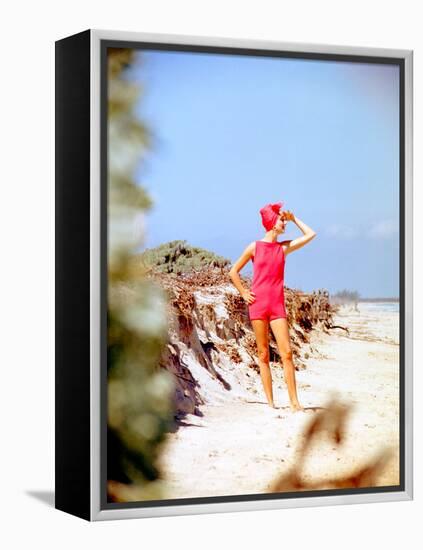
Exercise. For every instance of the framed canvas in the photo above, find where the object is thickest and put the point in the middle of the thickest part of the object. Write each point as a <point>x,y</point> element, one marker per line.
<point>233,275</point>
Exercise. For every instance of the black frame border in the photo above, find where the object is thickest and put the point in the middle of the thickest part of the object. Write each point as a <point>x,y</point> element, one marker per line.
<point>72,275</point>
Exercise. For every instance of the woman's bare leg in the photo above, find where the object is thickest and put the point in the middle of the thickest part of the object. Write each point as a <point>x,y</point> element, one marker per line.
<point>281,333</point>
<point>261,331</point>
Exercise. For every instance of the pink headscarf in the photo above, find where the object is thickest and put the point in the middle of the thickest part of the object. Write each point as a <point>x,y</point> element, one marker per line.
<point>270,214</point>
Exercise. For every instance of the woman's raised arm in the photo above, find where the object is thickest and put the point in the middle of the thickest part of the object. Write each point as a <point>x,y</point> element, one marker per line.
<point>295,244</point>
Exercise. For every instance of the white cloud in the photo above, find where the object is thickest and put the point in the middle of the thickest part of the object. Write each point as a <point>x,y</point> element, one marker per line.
<point>377,230</point>
<point>342,231</point>
<point>384,228</point>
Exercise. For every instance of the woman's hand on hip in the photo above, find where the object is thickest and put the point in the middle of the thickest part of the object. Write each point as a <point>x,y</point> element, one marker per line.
<point>248,296</point>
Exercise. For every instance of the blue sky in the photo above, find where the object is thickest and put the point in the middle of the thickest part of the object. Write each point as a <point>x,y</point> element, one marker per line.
<point>232,133</point>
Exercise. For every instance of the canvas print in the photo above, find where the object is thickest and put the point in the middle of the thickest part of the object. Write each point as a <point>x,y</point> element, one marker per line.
<point>253,275</point>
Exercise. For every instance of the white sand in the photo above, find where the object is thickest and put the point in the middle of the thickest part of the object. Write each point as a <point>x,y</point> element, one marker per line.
<point>240,444</point>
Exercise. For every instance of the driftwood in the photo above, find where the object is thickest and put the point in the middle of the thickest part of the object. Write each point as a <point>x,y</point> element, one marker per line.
<point>338,326</point>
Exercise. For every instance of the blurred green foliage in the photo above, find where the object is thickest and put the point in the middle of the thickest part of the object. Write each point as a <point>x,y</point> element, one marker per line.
<point>140,406</point>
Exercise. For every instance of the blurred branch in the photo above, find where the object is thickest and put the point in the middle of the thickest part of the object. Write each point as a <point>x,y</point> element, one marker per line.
<point>331,423</point>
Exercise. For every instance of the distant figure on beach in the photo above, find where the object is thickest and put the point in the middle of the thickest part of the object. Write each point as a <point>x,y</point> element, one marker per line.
<point>266,299</point>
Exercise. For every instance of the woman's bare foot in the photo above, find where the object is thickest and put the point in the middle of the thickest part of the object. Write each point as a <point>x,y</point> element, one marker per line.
<point>295,407</point>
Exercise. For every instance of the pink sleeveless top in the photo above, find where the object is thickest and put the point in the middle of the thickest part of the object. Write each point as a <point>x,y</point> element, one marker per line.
<point>268,281</point>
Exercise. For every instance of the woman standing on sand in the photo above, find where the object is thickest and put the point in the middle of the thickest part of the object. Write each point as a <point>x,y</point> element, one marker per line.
<point>266,299</point>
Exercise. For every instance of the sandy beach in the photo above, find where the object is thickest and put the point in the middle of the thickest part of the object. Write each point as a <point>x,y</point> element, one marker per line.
<point>240,445</point>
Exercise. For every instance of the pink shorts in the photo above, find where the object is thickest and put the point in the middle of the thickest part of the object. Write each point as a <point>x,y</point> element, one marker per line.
<point>260,309</point>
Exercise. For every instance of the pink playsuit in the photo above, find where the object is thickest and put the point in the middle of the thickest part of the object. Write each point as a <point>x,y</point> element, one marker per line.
<point>267,283</point>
